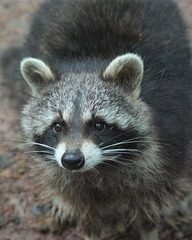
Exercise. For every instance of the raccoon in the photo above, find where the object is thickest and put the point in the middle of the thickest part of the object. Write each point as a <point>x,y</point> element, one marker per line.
<point>109,116</point>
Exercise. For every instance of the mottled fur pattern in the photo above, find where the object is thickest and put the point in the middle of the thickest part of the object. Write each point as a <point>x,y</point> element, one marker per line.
<point>126,129</point>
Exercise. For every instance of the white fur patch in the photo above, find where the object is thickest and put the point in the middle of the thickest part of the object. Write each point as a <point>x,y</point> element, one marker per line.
<point>59,151</point>
<point>92,155</point>
<point>86,116</point>
<point>67,114</point>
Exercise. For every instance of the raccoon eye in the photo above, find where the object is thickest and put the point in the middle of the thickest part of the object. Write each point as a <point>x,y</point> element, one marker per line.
<point>100,126</point>
<point>57,127</point>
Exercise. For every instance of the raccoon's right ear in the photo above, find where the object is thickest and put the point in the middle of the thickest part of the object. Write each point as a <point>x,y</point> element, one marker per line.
<point>126,70</point>
<point>36,73</point>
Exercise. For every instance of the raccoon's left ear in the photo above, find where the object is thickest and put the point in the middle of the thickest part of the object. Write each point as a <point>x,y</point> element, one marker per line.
<point>126,70</point>
<point>36,73</point>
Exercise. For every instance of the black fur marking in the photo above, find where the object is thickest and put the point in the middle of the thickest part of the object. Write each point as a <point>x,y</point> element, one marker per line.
<point>110,137</point>
<point>50,138</point>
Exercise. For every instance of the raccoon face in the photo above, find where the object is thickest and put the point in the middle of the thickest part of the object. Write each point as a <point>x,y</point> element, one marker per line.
<point>84,121</point>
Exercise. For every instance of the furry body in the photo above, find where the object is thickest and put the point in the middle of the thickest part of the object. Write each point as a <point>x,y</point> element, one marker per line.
<point>133,136</point>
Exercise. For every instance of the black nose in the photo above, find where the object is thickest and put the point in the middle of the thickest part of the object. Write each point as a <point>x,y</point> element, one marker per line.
<point>73,159</point>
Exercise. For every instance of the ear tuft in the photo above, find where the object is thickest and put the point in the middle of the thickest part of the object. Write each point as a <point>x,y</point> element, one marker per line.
<point>36,73</point>
<point>126,70</point>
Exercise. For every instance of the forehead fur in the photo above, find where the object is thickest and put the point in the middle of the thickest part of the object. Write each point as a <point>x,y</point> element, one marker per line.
<point>97,98</point>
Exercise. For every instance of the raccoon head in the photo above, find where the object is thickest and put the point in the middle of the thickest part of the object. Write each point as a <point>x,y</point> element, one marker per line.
<point>86,120</point>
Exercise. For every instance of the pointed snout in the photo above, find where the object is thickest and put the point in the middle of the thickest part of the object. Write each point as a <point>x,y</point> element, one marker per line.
<point>73,159</point>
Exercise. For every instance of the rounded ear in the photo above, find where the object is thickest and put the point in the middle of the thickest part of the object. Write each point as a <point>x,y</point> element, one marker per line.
<point>36,73</point>
<point>126,70</point>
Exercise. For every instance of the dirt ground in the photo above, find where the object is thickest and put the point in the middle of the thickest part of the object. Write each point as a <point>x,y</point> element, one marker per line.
<point>23,213</point>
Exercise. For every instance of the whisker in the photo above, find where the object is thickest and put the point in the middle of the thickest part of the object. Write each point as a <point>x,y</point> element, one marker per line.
<point>146,139</point>
<point>50,153</point>
<point>112,139</point>
<point>95,170</point>
<point>123,151</point>
<point>128,140</point>
<point>122,142</point>
<point>14,140</point>
<point>118,161</point>
<point>39,144</point>
<point>110,165</point>
<point>47,158</point>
